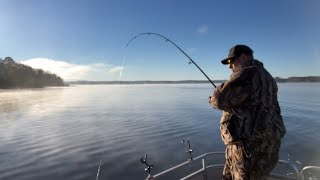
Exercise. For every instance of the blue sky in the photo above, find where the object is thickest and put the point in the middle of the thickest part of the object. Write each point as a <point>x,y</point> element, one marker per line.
<point>85,39</point>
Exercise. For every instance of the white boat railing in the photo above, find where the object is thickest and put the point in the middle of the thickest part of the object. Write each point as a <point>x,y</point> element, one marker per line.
<point>298,175</point>
<point>308,168</point>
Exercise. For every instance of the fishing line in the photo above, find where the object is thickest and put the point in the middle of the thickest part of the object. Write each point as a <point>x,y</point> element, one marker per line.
<point>120,74</point>
<point>97,177</point>
<point>168,40</point>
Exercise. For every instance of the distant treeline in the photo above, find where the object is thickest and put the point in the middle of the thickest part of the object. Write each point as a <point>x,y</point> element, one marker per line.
<point>146,82</point>
<point>299,79</point>
<point>16,75</point>
<point>290,79</point>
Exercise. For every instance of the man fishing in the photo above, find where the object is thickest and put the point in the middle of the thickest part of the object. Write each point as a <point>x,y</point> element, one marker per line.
<point>251,124</point>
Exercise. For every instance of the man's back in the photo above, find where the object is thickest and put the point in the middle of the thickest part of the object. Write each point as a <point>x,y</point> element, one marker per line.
<point>265,110</point>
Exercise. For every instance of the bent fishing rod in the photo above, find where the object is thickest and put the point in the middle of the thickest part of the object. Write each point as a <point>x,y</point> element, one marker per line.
<point>168,40</point>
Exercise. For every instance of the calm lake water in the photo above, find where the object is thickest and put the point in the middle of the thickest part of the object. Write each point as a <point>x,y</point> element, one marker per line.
<point>67,132</point>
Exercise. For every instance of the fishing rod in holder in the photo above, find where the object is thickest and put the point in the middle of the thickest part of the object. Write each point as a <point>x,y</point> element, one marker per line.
<point>149,167</point>
<point>189,149</point>
<point>168,40</point>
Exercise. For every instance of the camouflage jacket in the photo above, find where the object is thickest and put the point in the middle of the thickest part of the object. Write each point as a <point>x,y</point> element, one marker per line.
<point>250,106</point>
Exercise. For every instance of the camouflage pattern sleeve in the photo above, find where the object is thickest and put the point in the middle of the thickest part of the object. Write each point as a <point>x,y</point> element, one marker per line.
<point>232,93</point>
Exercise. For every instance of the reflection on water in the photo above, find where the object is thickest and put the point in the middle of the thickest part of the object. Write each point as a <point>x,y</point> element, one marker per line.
<point>64,133</point>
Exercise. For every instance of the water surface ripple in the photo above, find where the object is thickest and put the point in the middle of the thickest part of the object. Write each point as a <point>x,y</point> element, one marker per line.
<point>64,133</point>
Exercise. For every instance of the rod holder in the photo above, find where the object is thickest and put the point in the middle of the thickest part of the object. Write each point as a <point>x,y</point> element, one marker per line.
<point>189,151</point>
<point>148,168</point>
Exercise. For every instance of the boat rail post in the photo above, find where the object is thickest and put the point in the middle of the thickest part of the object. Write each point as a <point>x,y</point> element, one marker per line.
<point>204,166</point>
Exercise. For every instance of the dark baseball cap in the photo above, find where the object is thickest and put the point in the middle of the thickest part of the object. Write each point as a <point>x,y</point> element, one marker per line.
<point>236,51</point>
